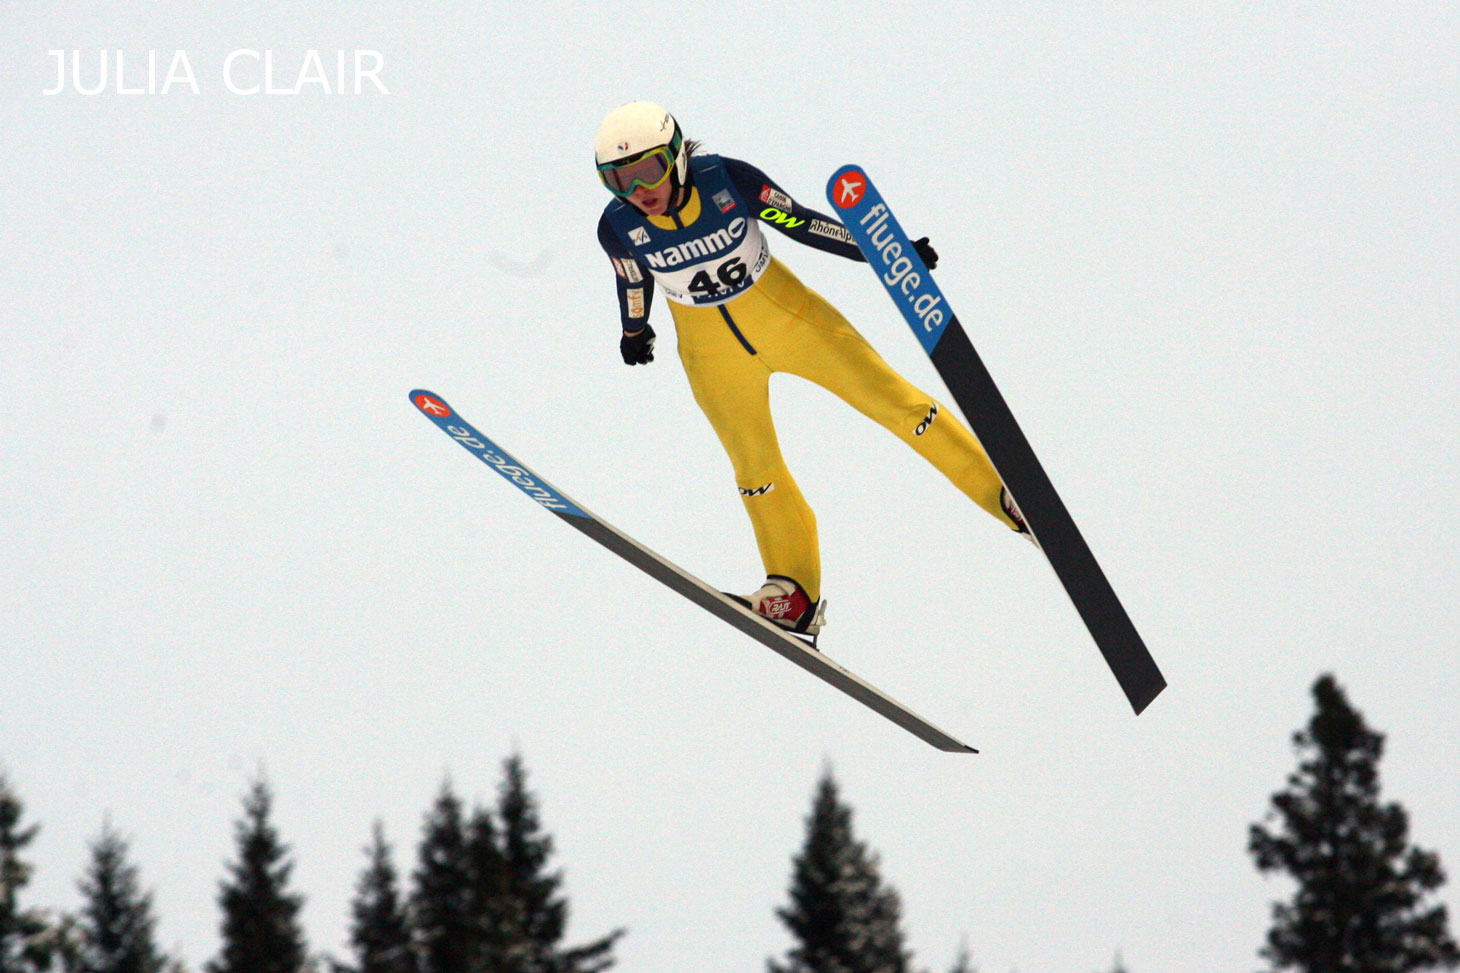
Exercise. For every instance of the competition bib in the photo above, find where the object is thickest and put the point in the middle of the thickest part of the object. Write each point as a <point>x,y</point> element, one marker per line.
<point>709,269</point>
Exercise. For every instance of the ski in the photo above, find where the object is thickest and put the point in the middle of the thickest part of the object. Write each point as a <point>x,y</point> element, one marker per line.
<point>912,288</point>
<point>715,602</point>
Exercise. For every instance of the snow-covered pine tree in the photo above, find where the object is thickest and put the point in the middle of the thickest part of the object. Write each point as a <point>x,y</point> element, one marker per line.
<point>964,961</point>
<point>441,903</point>
<point>842,917</point>
<point>485,898</point>
<point>494,916</point>
<point>534,892</point>
<point>1360,904</point>
<point>28,942</point>
<point>115,929</point>
<point>261,930</point>
<point>380,933</point>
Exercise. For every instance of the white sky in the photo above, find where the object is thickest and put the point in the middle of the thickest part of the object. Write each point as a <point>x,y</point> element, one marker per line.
<point>1208,251</point>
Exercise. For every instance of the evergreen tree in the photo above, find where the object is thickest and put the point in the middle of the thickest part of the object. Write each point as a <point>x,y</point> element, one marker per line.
<point>380,932</point>
<point>115,927</point>
<point>1359,906</point>
<point>443,927</point>
<point>484,901</point>
<point>842,918</point>
<point>964,962</point>
<point>260,929</point>
<point>494,915</point>
<point>536,912</point>
<point>28,942</point>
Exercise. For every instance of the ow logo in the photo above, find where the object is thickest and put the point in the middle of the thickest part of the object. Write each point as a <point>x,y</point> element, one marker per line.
<point>759,491</point>
<point>928,421</point>
<point>772,215</point>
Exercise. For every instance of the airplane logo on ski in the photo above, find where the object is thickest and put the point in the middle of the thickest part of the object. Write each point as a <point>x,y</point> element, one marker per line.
<point>432,407</point>
<point>850,189</point>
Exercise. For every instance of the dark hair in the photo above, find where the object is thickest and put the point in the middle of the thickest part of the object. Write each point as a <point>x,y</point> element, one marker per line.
<point>691,146</point>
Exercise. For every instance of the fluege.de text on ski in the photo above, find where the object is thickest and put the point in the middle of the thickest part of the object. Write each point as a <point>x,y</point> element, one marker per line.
<point>900,273</point>
<point>486,451</point>
<point>244,71</point>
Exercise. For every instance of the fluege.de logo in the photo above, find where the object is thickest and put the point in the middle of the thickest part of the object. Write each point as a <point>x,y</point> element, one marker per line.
<point>890,252</point>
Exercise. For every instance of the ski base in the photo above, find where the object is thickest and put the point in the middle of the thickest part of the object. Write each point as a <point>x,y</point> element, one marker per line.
<point>677,579</point>
<point>912,288</point>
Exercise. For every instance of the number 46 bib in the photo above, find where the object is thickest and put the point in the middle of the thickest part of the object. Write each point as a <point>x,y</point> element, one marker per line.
<point>718,255</point>
<point>710,268</point>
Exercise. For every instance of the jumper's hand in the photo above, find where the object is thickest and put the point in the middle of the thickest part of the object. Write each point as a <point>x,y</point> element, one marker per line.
<point>926,251</point>
<point>637,347</point>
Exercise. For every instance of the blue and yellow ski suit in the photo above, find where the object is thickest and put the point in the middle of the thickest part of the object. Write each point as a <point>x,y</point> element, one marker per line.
<point>741,316</point>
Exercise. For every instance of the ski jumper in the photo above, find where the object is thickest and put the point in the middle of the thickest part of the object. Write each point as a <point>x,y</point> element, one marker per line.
<point>742,316</point>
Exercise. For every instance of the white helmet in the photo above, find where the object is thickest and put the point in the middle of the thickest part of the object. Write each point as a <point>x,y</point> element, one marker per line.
<point>631,130</point>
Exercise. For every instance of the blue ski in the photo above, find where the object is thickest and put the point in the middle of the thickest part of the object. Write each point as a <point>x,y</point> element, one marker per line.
<point>715,602</point>
<point>912,288</point>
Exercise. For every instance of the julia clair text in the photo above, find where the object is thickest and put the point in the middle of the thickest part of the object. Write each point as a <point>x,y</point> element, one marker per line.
<point>244,71</point>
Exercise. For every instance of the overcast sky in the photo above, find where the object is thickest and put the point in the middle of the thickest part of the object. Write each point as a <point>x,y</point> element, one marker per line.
<point>1208,251</point>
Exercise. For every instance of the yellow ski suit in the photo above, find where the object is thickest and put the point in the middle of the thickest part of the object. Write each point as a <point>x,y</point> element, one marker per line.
<point>770,322</point>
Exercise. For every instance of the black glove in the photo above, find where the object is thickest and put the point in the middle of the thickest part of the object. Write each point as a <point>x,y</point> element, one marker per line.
<point>637,348</point>
<point>926,251</point>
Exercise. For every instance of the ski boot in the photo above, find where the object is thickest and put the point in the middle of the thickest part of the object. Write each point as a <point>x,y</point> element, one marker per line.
<point>1007,502</point>
<point>783,601</point>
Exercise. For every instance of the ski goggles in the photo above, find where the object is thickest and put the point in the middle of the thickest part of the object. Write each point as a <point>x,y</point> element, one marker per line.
<point>649,169</point>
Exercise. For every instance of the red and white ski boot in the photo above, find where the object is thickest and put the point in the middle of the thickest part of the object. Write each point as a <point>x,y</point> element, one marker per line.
<point>786,603</point>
